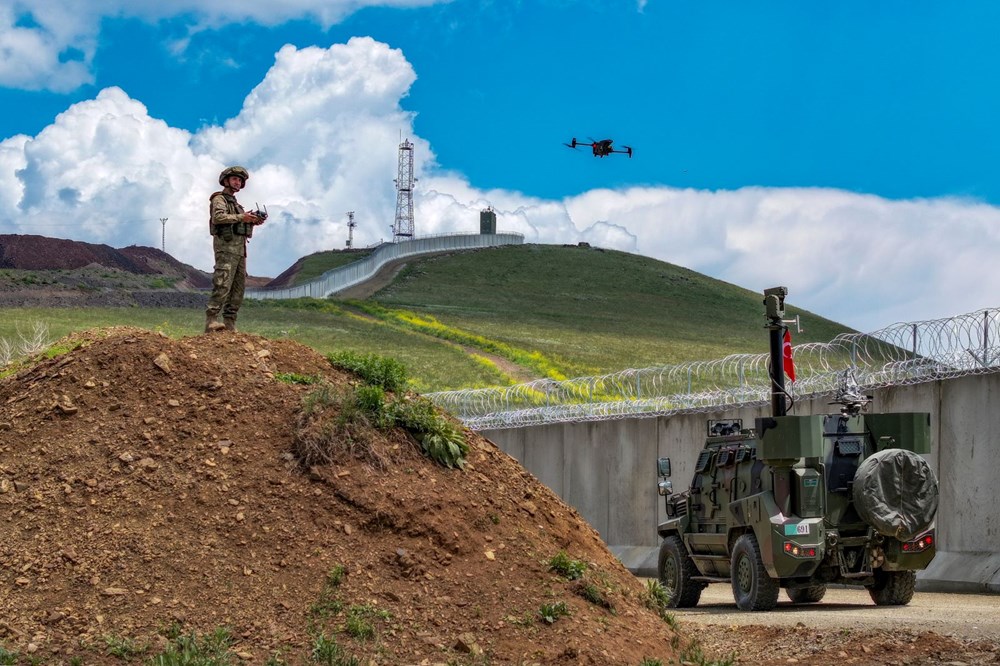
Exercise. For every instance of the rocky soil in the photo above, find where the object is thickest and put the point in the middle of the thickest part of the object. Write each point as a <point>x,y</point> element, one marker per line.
<point>36,271</point>
<point>148,486</point>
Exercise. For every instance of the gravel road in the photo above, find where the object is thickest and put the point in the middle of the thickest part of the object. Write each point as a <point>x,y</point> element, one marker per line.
<point>846,627</point>
<point>966,615</point>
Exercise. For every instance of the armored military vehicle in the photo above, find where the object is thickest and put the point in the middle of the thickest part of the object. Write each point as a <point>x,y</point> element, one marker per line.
<point>802,502</point>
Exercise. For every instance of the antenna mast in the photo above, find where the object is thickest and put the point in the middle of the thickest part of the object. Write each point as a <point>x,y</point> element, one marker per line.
<point>163,221</point>
<point>350,229</point>
<point>402,228</point>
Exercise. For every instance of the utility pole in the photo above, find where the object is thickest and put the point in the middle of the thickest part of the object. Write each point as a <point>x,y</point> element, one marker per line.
<point>163,221</point>
<point>350,229</point>
<point>403,226</point>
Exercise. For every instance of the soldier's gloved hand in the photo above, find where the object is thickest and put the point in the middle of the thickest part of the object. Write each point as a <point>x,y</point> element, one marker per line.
<point>250,218</point>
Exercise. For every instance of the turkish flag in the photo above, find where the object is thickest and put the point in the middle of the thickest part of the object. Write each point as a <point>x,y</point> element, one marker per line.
<point>786,352</point>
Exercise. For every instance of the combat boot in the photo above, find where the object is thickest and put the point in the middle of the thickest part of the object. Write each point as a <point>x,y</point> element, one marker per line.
<point>230,323</point>
<point>211,324</point>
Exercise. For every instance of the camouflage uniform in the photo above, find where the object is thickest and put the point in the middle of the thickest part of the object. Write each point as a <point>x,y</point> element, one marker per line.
<point>229,232</point>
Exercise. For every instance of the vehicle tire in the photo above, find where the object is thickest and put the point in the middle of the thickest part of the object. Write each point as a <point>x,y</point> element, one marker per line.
<point>753,589</point>
<point>806,595</point>
<point>893,588</point>
<point>676,569</point>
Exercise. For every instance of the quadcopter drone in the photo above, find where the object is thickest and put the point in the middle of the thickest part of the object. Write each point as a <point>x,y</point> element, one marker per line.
<point>600,148</point>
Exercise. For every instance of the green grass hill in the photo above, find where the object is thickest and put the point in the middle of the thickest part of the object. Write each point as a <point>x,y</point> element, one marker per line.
<point>496,316</point>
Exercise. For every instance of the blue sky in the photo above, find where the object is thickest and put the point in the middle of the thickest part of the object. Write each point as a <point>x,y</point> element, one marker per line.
<point>844,149</point>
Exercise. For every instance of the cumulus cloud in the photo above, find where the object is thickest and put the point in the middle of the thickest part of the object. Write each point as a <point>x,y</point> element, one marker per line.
<point>50,44</point>
<point>320,136</point>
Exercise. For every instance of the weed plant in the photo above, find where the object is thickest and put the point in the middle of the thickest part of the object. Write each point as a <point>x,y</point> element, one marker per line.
<point>593,594</point>
<point>212,649</point>
<point>360,621</point>
<point>295,378</point>
<point>565,566</point>
<point>552,612</point>
<point>123,648</point>
<point>328,605</point>
<point>382,371</point>
<point>441,439</point>
<point>369,407</point>
<point>328,652</point>
<point>7,658</point>
<point>658,599</point>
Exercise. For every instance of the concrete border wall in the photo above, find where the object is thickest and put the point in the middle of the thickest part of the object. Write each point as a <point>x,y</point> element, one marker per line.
<point>607,471</point>
<point>338,279</point>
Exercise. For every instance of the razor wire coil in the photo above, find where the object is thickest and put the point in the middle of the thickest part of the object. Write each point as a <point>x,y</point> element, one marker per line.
<point>900,354</point>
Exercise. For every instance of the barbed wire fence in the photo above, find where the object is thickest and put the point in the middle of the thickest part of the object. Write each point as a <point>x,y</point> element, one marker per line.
<point>901,354</point>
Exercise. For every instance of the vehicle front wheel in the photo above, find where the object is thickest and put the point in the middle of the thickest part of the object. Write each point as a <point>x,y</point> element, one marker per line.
<point>753,589</point>
<point>806,595</point>
<point>676,570</point>
<point>893,588</point>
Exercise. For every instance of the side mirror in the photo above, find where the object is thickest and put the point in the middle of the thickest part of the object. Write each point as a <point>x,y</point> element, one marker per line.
<point>663,467</point>
<point>665,488</point>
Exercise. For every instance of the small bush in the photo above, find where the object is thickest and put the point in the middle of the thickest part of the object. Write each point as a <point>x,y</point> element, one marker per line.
<point>370,399</point>
<point>387,373</point>
<point>163,282</point>
<point>368,407</point>
<point>441,440</point>
<point>567,567</point>
<point>552,612</point>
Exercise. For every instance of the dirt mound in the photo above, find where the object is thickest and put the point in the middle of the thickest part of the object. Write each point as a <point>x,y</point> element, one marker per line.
<point>62,258</point>
<point>41,253</point>
<point>147,486</point>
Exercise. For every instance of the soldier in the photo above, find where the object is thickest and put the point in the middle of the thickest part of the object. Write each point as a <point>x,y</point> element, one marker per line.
<point>230,227</point>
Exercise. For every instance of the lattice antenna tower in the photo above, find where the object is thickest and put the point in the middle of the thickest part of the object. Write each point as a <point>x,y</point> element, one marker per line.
<point>402,228</point>
<point>350,229</point>
<point>163,221</point>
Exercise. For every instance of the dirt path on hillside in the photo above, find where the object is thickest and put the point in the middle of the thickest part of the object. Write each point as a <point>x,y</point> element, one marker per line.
<point>516,372</point>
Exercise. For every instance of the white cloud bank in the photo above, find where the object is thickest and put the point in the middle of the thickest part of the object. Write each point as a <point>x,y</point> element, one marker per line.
<point>320,136</point>
<point>50,44</point>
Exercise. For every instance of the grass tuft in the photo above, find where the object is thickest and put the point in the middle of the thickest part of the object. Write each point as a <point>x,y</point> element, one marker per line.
<point>565,566</point>
<point>552,612</point>
<point>656,598</point>
<point>192,650</point>
<point>382,371</point>
<point>328,652</point>
<point>123,648</point>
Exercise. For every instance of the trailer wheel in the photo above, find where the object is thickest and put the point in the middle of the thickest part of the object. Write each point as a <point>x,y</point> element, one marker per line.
<point>806,595</point>
<point>676,569</point>
<point>753,589</point>
<point>893,588</point>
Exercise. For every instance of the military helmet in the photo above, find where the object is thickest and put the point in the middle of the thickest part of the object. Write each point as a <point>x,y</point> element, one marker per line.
<point>233,171</point>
